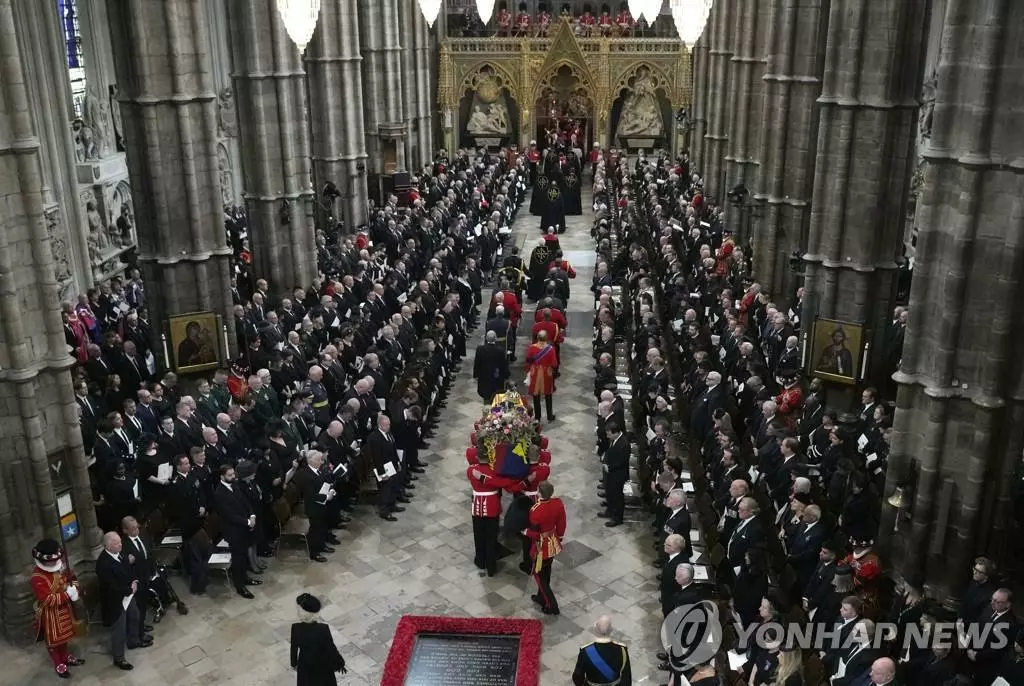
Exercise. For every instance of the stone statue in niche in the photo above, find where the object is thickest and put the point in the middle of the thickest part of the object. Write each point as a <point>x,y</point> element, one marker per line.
<point>58,246</point>
<point>227,177</point>
<point>98,240</point>
<point>227,122</point>
<point>97,115</point>
<point>126,224</point>
<point>641,111</point>
<point>85,143</point>
<point>115,115</point>
<point>928,92</point>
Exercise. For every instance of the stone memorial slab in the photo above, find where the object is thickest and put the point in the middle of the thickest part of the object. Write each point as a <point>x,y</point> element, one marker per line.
<point>463,660</point>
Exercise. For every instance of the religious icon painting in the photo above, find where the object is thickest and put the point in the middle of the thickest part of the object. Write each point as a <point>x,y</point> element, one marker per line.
<point>836,350</point>
<point>193,340</point>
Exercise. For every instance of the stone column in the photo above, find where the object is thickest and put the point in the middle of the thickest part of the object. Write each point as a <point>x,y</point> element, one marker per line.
<point>862,169</point>
<point>746,126</point>
<point>34,381</point>
<point>959,426</point>
<point>382,84</point>
<point>792,83</point>
<point>699,109</point>
<point>425,95</point>
<point>336,100</point>
<point>410,105</point>
<point>168,105</point>
<point>270,91</point>
<point>717,133</point>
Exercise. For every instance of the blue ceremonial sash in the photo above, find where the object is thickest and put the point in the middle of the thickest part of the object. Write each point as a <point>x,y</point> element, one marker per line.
<point>543,353</point>
<point>595,659</point>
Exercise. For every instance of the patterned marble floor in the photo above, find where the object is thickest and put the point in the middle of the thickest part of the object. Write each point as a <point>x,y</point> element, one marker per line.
<point>422,563</point>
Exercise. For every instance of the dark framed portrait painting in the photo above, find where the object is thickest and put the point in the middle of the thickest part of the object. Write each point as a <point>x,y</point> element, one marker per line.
<point>194,341</point>
<point>836,350</point>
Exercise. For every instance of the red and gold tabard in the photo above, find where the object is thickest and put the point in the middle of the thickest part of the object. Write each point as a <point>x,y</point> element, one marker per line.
<point>513,310</point>
<point>541,362</point>
<point>867,570</point>
<point>546,529</point>
<point>487,487</point>
<point>790,404</point>
<point>55,618</point>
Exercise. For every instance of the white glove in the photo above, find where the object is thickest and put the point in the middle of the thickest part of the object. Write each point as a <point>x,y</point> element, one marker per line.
<point>72,592</point>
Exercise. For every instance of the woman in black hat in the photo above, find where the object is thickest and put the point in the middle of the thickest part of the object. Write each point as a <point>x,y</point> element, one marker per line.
<point>314,656</point>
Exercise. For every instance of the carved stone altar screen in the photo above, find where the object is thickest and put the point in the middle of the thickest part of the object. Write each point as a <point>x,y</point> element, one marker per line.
<point>602,66</point>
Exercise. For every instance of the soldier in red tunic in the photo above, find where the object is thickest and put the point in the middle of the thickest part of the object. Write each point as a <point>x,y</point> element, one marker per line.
<point>541,363</point>
<point>522,21</point>
<point>504,20</point>
<point>546,529</point>
<point>56,590</point>
<point>604,22</point>
<point>624,20</point>
<point>791,400</point>
<point>487,487</point>
<point>587,22</point>
<point>543,20</point>
<point>867,572</point>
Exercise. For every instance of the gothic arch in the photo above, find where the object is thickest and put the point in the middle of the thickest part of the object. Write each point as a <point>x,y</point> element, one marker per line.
<point>579,72</point>
<point>487,70</point>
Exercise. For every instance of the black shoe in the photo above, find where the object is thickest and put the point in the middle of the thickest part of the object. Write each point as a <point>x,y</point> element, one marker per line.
<point>389,518</point>
<point>124,665</point>
<point>403,500</point>
<point>613,523</point>
<point>536,598</point>
<point>417,470</point>
<point>551,417</point>
<point>147,628</point>
<point>423,445</point>
<point>327,549</point>
<point>75,661</point>
<point>253,570</point>
<point>253,582</point>
<point>245,593</point>
<point>333,540</point>
<point>662,656</point>
<point>318,558</point>
<point>664,667</point>
<point>182,608</point>
<point>398,508</point>
<point>144,643</point>
<point>604,503</point>
<point>66,674</point>
<point>604,515</point>
<point>479,565</point>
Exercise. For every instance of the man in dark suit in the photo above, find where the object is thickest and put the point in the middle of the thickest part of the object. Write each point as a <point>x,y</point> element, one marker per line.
<point>118,585</point>
<point>711,399</point>
<point>237,517</point>
<point>147,413</point>
<point>138,551</point>
<point>382,452</point>
<point>675,549</point>
<point>188,499</point>
<point>1003,626</point>
<point>616,473</point>
<point>490,367</point>
<point>317,497</point>
<point>855,662</point>
<point>96,367</point>
<point>819,586</point>
<point>803,551</point>
<point>749,533</point>
<point>131,368</point>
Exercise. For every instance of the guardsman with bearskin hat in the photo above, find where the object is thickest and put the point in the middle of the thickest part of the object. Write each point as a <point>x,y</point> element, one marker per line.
<point>522,21</point>
<point>504,20</point>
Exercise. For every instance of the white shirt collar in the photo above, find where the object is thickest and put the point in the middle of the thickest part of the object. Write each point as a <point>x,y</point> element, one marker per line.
<point>672,556</point>
<point>116,556</point>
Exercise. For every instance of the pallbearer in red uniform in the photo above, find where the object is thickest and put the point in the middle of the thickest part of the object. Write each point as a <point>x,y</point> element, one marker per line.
<point>56,590</point>
<point>624,20</point>
<point>543,20</point>
<point>504,20</point>
<point>522,21</point>
<point>791,400</point>
<point>541,363</point>
<point>604,23</point>
<point>546,529</point>
<point>487,487</point>
<point>867,572</point>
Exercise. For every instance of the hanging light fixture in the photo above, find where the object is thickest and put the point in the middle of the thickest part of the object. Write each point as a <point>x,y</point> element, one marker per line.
<point>690,17</point>
<point>485,8</point>
<point>299,17</point>
<point>430,9</point>
<point>636,9</point>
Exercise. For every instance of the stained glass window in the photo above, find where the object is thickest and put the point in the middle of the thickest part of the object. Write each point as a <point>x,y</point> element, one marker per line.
<point>68,12</point>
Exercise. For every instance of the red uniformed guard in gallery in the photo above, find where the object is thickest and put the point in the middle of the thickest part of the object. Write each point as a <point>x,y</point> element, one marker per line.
<point>504,20</point>
<point>522,21</point>
<point>541,363</point>
<point>487,487</point>
<point>624,21</point>
<point>543,20</point>
<point>56,590</point>
<point>545,529</point>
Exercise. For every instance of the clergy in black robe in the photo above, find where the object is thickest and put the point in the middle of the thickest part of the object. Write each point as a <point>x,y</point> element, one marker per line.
<point>540,258</point>
<point>554,210</point>
<point>573,181</point>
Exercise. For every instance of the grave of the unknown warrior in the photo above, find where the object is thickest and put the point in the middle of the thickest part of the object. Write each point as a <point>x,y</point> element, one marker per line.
<point>463,660</point>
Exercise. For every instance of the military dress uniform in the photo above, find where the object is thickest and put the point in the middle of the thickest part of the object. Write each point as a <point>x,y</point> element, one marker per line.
<point>487,487</point>
<point>602,663</point>
<point>56,590</point>
<point>545,529</point>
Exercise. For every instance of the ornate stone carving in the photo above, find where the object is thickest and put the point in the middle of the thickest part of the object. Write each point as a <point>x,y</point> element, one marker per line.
<point>493,121</point>
<point>641,110</point>
<point>227,176</point>
<point>928,91</point>
<point>58,245</point>
<point>96,115</point>
<point>122,227</point>
<point>85,141</point>
<point>115,115</point>
<point>227,122</point>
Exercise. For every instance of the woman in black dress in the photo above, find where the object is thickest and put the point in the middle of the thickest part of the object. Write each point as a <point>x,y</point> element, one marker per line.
<point>314,655</point>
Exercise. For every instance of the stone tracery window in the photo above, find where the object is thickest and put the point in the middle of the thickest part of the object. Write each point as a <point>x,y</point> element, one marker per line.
<point>68,12</point>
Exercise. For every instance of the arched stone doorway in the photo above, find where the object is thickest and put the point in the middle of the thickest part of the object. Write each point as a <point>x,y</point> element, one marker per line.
<point>564,109</point>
